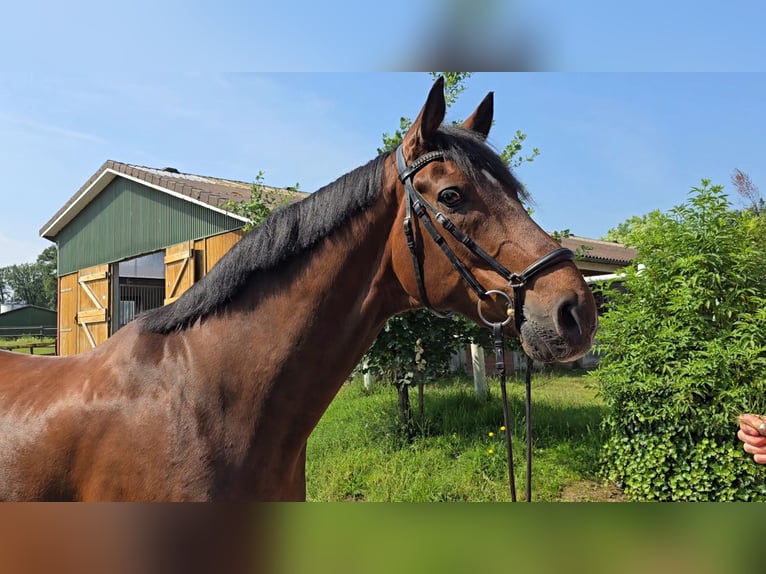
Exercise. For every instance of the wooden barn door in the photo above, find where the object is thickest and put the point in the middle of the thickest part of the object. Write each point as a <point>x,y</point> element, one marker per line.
<point>66,342</point>
<point>179,270</point>
<point>218,245</point>
<point>209,251</point>
<point>92,307</point>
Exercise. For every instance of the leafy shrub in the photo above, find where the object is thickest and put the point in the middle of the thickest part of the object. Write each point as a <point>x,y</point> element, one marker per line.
<point>683,351</point>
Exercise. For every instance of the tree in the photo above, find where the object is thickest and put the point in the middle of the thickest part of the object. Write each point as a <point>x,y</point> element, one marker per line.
<point>417,344</point>
<point>623,231</point>
<point>414,347</point>
<point>26,282</point>
<point>47,262</point>
<point>5,289</point>
<point>262,201</point>
<point>32,283</point>
<point>683,351</point>
<point>454,85</point>
<point>748,190</point>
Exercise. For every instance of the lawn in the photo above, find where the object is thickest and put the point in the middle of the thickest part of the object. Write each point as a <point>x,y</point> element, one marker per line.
<point>49,349</point>
<point>358,453</point>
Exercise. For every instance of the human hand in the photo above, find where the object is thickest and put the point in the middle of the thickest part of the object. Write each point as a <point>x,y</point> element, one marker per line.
<point>752,432</point>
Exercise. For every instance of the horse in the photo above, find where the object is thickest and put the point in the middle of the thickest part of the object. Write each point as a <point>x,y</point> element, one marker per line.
<point>213,397</point>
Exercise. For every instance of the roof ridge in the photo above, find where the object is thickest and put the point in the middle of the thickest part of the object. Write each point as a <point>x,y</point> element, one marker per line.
<point>171,174</point>
<point>598,250</point>
<point>592,240</point>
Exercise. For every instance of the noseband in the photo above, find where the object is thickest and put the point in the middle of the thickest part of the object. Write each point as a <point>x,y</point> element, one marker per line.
<point>517,281</point>
<point>417,203</point>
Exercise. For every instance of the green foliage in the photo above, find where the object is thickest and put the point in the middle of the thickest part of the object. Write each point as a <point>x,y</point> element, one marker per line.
<point>262,201</point>
<point>558,235</point>
<point>512,154</point>
<point>579,251</point>
<point>398,354</point>
<point>391,142</point>
<point>621,233</point>
<point>47,263</point>
<point>33,283</point>
<point>454,84</point>
<point>5,289</point>
<point>26,282</point>
<point>683,351</point>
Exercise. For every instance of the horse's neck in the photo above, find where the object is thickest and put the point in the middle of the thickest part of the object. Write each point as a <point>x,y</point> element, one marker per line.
<point>286,348</point>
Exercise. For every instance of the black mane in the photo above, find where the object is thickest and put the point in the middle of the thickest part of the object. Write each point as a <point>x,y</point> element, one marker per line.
<point>297,227</point>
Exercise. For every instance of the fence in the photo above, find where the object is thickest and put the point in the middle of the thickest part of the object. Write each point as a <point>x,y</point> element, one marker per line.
<point>40,332</point>
<point>8,334</point>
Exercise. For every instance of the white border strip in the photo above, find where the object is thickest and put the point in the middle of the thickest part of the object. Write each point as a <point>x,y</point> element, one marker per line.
<point>591,279</point>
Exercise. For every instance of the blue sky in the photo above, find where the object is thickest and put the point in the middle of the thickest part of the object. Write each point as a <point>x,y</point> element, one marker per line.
<point>86,81</point>
<point>343,35</point>
<point>613,145</point>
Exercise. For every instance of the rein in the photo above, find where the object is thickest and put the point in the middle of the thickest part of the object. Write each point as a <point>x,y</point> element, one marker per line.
<point>499,340</point>
<point>415,202</point>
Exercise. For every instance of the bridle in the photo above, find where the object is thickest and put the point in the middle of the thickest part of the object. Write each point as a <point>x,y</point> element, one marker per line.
<point>415,202</point>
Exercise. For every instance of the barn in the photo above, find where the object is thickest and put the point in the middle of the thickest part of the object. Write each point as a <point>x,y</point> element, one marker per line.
<point>133,238</point>
<point>26,320</point>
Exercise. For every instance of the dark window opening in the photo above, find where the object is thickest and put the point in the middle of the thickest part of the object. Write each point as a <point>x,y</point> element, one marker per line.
<point>140,287</point>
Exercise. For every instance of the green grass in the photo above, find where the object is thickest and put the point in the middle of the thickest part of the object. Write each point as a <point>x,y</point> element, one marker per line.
<point>49,350</point>
<point>358,453</point>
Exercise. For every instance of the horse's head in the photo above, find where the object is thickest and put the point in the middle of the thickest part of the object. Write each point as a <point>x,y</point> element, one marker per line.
<point>455,184</point>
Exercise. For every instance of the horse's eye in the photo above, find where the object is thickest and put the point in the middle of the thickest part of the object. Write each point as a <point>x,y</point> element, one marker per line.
<point>450,197</point>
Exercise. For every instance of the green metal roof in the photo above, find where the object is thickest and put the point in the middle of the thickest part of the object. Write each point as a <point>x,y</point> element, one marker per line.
<point>28,316</point>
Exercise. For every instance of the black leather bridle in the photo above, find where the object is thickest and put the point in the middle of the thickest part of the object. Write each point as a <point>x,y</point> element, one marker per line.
<point>415,202</point>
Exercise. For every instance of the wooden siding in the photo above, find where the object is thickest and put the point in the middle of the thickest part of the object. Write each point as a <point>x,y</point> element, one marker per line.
<point>66,344</point>
<point>208,251</point>
<point>179,270</point>
<point>129,219</point>
<point>189,261</point>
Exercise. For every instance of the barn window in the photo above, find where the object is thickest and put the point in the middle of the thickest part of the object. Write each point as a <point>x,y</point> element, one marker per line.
<point>140,286</point>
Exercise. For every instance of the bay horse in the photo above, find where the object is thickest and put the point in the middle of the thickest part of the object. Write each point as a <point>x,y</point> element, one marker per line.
<point>213,397</point>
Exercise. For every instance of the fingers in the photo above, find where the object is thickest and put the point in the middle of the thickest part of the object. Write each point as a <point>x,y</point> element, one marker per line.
<point>751,424</point>
<point>751,432</point>
<point>753,445</point>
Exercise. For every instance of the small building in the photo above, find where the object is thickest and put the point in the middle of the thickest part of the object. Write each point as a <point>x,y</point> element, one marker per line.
<point>21,320</point>
<point>133,238</point>
<point>596,257</point>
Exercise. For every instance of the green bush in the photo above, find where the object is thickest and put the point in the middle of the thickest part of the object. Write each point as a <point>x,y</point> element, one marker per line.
<point>683,352</point>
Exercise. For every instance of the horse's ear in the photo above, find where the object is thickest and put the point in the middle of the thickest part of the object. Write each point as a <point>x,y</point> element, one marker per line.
<point>480,121</point>
<point>415,141</point>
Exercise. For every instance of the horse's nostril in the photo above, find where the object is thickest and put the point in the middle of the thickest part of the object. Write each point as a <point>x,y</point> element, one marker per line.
<point>568,320</point>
